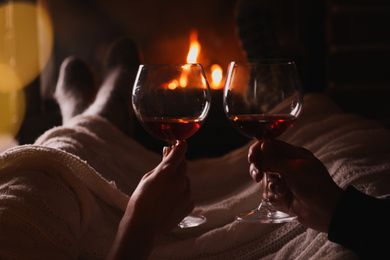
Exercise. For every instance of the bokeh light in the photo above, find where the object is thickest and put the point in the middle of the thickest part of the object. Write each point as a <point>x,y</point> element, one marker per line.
<point>26,42</point>
<point>12,105</point>
<point>27,39</point>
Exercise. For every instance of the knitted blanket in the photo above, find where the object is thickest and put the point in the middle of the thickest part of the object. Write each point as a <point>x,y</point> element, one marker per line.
<point>356,151</point>
<point>103,167</point>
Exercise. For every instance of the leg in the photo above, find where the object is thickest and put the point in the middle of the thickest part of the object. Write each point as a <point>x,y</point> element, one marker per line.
<point>76,88</point>
<point>113,100</point>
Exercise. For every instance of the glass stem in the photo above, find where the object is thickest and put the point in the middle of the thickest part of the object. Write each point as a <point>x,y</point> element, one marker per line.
<point>266,186</point>
<point>266,206</point>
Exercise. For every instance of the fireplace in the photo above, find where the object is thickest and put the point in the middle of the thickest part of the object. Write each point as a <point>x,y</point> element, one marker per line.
<point>163,29</point>
<point>166,31</point>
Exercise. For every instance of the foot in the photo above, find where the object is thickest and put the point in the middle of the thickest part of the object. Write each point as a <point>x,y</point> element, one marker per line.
<point>76,88</point>
<point>113,100</point>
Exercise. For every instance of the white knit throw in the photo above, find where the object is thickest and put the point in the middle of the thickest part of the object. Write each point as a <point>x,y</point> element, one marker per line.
<point>85,171</point>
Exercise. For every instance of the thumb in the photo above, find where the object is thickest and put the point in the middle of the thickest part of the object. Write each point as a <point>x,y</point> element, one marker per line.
<point>166,151</point>
<point>169,154</point>
<point>172,159</point>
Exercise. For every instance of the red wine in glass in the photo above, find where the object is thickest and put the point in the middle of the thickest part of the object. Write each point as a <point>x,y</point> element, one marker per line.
<point>262,99</point>
<point>172,101</point>
<point>262,126</point>
<point>171,129</point>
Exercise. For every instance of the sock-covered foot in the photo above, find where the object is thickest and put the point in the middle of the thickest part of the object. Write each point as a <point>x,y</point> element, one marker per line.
<point>113,100</point>
<point>76,88</point>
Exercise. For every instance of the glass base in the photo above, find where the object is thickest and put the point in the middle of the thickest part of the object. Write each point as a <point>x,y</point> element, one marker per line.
<point>192,221</point>
<point>266,213</point>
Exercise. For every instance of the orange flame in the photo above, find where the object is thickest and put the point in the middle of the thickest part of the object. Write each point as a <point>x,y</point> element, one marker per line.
<point>173,84</point>
<point>216,76</point>
<point>216,73</point>
<point>194,47</point>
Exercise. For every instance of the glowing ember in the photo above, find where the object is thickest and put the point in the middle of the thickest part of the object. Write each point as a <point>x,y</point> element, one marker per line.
<point>173,84</point>
<point>216,77</point>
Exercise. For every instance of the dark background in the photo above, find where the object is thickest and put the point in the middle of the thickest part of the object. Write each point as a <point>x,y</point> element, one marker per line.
<point>341,47</point>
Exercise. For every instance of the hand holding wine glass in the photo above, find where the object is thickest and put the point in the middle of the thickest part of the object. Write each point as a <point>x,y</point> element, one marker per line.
<point>262,99</point>
<point>171,101</point>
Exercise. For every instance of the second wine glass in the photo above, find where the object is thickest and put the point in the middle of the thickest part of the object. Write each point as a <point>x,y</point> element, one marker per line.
<point>262,99</point>
<point>171,101</point>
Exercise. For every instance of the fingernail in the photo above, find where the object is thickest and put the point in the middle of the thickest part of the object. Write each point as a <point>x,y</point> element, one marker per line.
<point>254,174</point>
<point>166,151</point>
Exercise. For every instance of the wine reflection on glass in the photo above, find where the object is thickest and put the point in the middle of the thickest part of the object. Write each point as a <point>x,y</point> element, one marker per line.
<point>262,99</point>
<point>172,101</point>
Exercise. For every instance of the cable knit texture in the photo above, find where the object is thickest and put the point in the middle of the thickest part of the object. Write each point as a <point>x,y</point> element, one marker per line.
<point>63,197</point>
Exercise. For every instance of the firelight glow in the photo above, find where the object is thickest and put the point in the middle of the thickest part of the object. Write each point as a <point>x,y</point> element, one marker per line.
<point>216,76</point>
<point>194,47</point>
<point>216,73</point>
<point>173,84</point>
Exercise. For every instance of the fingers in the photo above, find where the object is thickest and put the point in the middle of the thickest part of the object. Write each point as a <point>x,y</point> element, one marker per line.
<point>184,204</point>
<point>255,159</point>
<point>166,151</point>
<point>277,190</point>
<point>278,156</point>
<point>275,156</point>
<point>256,172</point>
<point>172,159</point>
<point>180,148</point>
<point>254,154</point>
<point>167,190</point>
<point>172,164</point>
<point>281,150</point>
<point>284,150</point>
<point>171,173</point>
<point>174,169</point>
<point>178,178</point>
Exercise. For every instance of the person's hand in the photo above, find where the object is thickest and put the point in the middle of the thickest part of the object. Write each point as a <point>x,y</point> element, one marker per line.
<point>304,187</point>
<point>163,197</point>
<point>161,200</point>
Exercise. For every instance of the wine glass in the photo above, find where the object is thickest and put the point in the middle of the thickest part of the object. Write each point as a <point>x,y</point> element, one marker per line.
<point>171,101</point>
<point>262,99</point>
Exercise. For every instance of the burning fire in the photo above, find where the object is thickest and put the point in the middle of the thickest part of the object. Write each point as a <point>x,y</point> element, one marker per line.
<point>173,84</point>
<point>215,75</point>
<point>194,48</point>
